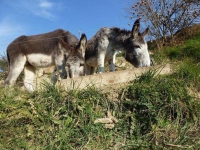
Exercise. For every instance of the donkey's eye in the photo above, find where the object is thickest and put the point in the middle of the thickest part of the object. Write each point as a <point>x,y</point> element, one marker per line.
<point>137,46</point>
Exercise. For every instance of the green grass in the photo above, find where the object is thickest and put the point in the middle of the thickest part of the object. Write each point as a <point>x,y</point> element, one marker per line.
<point>153,111</point>
<point>189,50</point>
<point>154,105</point>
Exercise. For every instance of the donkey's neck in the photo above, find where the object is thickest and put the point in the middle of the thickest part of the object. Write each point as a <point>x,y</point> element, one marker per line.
<point>119,38</point>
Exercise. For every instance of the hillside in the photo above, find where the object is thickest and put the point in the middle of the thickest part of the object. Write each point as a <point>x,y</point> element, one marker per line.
<point>151,112</point>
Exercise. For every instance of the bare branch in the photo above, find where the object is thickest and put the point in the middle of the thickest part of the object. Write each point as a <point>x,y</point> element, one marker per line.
<point>166,17</point>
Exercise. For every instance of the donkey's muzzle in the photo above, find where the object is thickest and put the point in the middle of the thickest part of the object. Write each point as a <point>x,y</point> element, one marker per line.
<point>64,76</point>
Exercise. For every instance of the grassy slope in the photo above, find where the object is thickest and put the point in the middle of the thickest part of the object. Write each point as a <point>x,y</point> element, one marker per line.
<point>154,112</point>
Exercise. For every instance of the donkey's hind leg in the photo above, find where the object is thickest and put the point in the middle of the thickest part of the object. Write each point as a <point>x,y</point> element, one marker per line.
<point>15,68</point>
<point>111,63</point>
<point>100,61</point>
<point>29,76</point>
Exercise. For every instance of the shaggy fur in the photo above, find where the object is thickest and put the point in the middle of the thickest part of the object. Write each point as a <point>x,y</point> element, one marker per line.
<point>102,48</point>
<point>54,48</point>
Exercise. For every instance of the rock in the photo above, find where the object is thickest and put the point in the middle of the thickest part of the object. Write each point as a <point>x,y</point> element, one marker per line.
<point>109,121</point>
<point>103,120</point>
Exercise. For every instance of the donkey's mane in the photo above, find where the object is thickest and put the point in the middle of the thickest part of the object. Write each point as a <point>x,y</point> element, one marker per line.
<point>119,35</point>
<point>121,31</point>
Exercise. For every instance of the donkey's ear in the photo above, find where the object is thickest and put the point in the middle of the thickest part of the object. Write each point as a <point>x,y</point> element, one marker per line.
<point>135,29</point>
<point>82,44</point>
<point>143,34</point>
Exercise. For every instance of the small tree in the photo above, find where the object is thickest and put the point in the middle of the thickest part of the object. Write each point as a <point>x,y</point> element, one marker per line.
<point>166,17</point>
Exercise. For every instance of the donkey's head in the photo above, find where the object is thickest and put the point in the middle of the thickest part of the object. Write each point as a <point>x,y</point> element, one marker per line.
<point>76,58</point>
<point>136,47</point>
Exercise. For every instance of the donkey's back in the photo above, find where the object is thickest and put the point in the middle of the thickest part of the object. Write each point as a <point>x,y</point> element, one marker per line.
<point>41,43</point>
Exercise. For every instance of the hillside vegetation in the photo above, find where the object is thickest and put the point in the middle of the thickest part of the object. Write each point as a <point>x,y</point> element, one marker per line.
<point>151,112</point>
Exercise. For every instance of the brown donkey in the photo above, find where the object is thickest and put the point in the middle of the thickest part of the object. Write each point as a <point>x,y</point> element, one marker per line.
<point>58,48</point>
<point>102,47</point>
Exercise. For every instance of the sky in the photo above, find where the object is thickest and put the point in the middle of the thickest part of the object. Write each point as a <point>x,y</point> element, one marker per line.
<point>31,17</point>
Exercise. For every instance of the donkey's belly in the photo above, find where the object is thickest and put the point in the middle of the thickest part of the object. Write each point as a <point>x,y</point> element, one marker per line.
<point>40,60</point>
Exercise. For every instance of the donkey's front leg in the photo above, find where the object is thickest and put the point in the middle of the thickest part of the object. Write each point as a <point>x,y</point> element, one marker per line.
<point>62,71</point>
<point>112,63</point>
<point>100,62</point>
<point>54,76</point>
<point>60,66</point>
